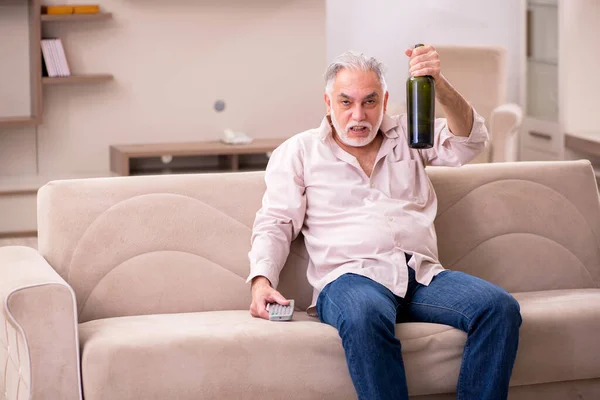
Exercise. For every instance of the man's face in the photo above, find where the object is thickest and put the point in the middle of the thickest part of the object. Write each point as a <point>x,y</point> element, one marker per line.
<point>356,106</point>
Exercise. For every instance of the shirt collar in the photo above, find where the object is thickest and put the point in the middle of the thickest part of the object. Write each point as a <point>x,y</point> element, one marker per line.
<point>388,127</point>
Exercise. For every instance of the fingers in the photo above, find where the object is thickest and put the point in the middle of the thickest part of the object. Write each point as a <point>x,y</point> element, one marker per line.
<point>276,297</point>
<point>431,56</point>
<point>260,300</point>
<point>422,54</point>
<point>262,310</point>
<point>417,51</point>
<point>425,68</point>
<point>424,60</point>
<point>258,309</point>
<point>408,52</point>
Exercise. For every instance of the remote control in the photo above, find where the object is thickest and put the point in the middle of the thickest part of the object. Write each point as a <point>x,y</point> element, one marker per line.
<point>277,312</point>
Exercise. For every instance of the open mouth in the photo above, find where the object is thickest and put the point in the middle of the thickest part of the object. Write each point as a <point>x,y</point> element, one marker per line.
<point>359,129</point>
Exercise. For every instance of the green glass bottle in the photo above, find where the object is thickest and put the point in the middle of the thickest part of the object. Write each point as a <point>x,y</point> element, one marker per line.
<point>420,104</point>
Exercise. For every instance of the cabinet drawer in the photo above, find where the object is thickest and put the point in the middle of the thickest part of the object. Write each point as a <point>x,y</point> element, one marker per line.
<point>542,135</point>
<point>543,141</point>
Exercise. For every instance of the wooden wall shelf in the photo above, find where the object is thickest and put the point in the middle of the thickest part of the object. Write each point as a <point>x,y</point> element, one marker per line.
<point>35,66</point>
<point>75,79</point>
<point>17,121</point>
<point>76,17</point>
<point>588,143</point>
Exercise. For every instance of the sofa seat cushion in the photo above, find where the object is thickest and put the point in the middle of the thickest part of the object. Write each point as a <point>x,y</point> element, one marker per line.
<point>559,336</point>
<point>211,355</point>
<point>229,354</point>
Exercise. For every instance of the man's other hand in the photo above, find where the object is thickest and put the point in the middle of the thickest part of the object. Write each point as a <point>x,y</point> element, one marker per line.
<point>262,294</point>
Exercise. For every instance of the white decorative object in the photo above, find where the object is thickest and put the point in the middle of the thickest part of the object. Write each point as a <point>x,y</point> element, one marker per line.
<point>231,137</point>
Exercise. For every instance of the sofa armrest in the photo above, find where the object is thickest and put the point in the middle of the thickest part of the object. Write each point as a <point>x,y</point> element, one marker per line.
<point>504,124</point>
<point>39,329</point>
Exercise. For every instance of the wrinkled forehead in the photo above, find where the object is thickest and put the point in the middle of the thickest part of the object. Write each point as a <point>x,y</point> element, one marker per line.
<point>357,84</point>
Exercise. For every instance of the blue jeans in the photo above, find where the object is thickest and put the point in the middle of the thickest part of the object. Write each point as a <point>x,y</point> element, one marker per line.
<point>365,313</point>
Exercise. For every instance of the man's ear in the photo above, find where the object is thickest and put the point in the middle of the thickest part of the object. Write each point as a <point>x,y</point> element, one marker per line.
<point>327,102</point>
<point>385,100</point>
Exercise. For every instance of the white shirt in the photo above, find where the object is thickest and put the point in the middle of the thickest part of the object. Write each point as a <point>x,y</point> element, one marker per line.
<point>352,222</point>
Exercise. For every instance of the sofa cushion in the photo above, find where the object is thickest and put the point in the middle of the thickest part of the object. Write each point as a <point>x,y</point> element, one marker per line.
<point>559,336</point>
<point>211,355</point>
<point>176,355</point>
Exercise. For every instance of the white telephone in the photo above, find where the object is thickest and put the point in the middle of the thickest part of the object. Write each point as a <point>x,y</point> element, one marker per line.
<point>231,137</point>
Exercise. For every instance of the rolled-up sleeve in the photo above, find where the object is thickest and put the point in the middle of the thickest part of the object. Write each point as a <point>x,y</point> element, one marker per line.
<point>280,219</point>
<point>453,151</point>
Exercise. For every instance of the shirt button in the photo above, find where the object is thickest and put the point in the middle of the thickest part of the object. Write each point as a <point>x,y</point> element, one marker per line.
<point>372,185</point>
<point>390,219</point>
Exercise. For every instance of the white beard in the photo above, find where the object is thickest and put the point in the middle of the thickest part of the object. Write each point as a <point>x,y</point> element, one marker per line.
<point>344,134</point>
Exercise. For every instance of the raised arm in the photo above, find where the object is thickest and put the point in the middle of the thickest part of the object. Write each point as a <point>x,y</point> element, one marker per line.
<point>459,113</point>
<point>462,135</point>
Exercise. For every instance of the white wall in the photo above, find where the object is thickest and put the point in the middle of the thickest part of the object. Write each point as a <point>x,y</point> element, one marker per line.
<point>265,58</point>
<point>385,28</point>
<point>171,61</point>
<point>17,145</point>
<point>15,99</point>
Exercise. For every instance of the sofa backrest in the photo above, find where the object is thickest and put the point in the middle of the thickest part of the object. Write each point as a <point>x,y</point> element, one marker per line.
<point>179,243</point>
<point>525,226</point>
<point>151,244</point>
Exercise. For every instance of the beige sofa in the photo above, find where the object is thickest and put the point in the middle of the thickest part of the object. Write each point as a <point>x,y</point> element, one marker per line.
<point>138,290</point>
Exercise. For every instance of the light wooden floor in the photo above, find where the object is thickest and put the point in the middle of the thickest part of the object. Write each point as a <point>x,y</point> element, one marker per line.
<point>21,241</point>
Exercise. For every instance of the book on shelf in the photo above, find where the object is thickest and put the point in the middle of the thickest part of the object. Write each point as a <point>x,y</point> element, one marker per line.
<point>86,9</point>
<point>66,9</point>
<point>54,59</point>
<point>48,59</point>
<point>57,10</point>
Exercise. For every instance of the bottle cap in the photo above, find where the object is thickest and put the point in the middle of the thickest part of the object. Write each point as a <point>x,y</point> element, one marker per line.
<point>419,45</point>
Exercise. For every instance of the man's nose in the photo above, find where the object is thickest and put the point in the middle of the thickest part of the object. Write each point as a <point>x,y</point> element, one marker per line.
<point>358,113</point>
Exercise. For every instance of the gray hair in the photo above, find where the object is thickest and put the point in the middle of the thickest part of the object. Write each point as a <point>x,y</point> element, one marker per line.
<point>351,60</point>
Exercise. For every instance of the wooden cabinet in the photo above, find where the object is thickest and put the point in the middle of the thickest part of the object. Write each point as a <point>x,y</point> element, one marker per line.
<point>156,158</point>
<point>541,140</point>
<point>561,87</point>
<point>541,137</point>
